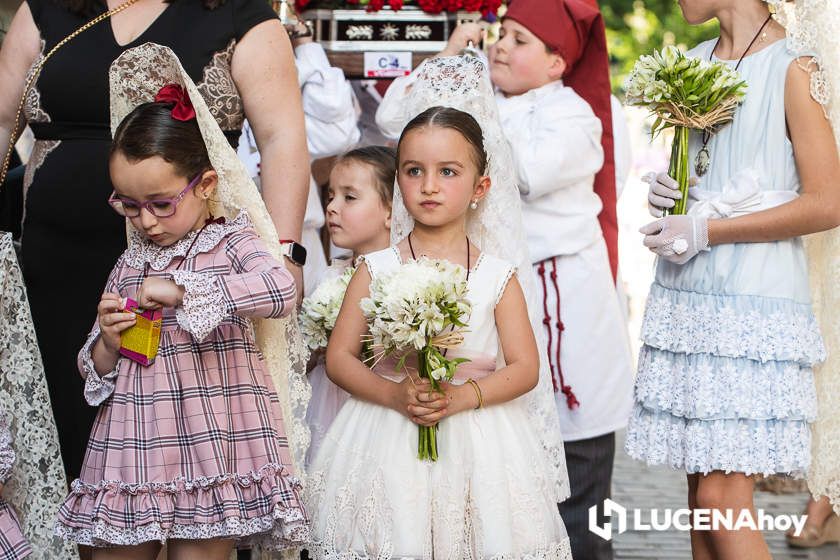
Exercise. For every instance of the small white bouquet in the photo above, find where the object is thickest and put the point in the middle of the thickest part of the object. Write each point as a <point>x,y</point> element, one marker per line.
<point>320,310</point>
<point>421,307</point>
<point>686,93</point>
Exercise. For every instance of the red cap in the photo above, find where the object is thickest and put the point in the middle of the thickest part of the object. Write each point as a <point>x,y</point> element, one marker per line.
<point>575,29</point>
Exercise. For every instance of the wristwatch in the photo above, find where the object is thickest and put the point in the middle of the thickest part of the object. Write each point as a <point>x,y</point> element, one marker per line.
<point>295,31</point>
<point>293,251</point>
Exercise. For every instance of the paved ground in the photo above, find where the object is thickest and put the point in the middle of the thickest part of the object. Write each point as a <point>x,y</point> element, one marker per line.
<point>638,486</point>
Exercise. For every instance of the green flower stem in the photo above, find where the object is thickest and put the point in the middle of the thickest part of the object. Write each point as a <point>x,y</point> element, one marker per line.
<point>678,168</point>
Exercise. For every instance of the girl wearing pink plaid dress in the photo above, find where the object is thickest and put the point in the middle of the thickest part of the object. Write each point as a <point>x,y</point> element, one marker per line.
<point>191,450</point>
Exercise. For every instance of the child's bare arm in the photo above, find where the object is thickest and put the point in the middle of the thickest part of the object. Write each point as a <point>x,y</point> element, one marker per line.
<point>519,346</point>
<point>411,397</point>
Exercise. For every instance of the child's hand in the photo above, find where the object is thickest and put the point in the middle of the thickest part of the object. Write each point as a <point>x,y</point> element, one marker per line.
<point>159,292</point>
<point>421,404</point>
<point>459,398</point>
<point>113,321</point>
<point>461,37</point>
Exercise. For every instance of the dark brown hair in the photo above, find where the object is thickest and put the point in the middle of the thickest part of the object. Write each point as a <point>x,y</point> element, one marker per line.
<point>383,160</point>
<point>91,8</point>
<point>149,130</point>
<point>447,117</point>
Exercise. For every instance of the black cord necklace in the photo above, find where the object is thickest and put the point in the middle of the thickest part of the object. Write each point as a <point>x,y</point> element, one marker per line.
<point>413,256</point>
<point>703,159</point>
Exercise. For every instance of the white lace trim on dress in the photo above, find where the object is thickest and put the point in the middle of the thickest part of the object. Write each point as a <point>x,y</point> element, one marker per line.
<point>142,251</point>
<point>203,308</point>
<point>97,387</point>
<point>283,528</point>
<point>701,446</point>
<point>751,327</point>
<point>701,386</point>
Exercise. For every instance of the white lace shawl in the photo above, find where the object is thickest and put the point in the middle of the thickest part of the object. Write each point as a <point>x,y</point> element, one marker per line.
<point>812,31</point>
<point>37,484</point>
<point>135,78</point>
<point>463,83</point>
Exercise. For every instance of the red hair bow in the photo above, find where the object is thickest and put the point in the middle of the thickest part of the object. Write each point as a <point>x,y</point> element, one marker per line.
<point>173,93</point>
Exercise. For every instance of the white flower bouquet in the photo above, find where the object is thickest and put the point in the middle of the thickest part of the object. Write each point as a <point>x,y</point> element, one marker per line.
<point>320,310</point>
<point>686,93</point>
<point>421,307</point>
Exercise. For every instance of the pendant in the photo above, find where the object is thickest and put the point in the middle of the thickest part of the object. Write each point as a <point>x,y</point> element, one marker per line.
<point>701,162</point>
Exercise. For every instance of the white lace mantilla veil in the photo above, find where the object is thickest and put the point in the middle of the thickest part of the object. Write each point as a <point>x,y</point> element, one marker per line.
<point>463,82</point>
<point>135,78</point>
<point>813,31</point>
<point>37,485</point>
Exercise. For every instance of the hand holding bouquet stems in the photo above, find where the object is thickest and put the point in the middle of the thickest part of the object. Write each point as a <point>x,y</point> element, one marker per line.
<point>320,310</point>
<point>422,308</point>
<point>685,93</point>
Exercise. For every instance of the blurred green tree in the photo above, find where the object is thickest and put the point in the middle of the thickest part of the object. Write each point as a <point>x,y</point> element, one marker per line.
<point>637,27</point>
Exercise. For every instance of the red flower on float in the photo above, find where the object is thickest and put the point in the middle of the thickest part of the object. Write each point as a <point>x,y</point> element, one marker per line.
<point>431,6</point>
<point>396,5</point>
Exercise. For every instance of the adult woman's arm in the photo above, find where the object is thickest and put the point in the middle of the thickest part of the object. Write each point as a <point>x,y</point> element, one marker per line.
<point>818,206</point>
<point>20,49</point>
<point>264,70</point>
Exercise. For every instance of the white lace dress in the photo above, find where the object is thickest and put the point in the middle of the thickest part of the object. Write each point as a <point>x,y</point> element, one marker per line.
<point>491,493</point>
<point>725,379</point>
<point>327,397</point>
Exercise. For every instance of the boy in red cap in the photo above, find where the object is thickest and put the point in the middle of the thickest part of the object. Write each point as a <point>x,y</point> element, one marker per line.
<point>551,72</point>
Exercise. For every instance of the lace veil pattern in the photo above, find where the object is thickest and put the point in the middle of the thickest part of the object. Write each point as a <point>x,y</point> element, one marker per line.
<point>463,82</point>
<point>135,78</point>
<point>811,27</point>
<point>37,485</point>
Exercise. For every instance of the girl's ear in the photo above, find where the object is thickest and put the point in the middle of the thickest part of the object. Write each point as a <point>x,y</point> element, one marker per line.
<point>481,188</point>
<point>207,185</point>
<point>388,220</point>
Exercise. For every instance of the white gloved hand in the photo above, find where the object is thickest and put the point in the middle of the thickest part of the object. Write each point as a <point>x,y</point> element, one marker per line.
<point>677,239</point>
<point>663,193</point>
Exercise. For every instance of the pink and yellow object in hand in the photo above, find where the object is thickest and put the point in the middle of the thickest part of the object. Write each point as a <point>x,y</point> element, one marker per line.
<point>140,342</point>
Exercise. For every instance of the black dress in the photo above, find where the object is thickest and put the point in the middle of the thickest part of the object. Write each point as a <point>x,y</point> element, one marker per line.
<point>71,237</point>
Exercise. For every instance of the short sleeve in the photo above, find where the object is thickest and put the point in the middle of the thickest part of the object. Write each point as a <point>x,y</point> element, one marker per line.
<point>508,272</point>
<point>247,14</point>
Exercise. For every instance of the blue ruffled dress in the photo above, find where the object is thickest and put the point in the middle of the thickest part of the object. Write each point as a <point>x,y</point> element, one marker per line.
<point>725,378</point>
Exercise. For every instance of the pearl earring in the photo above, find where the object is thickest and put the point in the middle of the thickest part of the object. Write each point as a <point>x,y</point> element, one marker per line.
<point>474,205</point>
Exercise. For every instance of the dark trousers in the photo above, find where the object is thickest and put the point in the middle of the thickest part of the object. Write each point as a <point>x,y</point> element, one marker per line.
<point>590,465</point>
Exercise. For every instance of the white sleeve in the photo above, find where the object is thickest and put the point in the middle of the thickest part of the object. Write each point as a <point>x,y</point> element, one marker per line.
<point>553,153</point>
<point>390,116</point>
<point>329,105</point>
<point>621,146</point>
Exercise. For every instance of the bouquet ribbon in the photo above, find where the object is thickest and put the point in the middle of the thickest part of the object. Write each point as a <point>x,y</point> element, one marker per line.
<point>740,196</point>
<point>479,366</point>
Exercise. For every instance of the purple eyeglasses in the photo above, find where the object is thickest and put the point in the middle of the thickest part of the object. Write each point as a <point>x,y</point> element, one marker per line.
<point>160,208</point>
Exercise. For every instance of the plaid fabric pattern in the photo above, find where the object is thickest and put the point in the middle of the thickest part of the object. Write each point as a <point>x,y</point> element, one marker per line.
<point>13,545</point>
<point>193,446</point>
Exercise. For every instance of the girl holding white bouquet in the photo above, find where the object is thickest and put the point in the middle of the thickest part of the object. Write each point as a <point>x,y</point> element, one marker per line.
<point>359,219</point>
<point>725,387</point>
<point>491,485</point>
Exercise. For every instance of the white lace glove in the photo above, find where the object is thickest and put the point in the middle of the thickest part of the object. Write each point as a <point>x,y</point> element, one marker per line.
<point>663,193</point>
<point>677,239</point>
